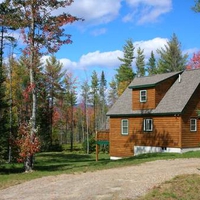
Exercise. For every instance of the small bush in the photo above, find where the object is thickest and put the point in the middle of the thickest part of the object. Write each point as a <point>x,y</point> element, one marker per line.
<point>92,145</point>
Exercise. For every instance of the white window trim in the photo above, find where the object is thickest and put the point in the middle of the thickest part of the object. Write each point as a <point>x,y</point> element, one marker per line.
<point>122,127</point>
<point>195,125</point>
<point>144,125</point>
<point>141,96</point>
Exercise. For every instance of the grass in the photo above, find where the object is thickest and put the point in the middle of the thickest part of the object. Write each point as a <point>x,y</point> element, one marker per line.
<point>184,187</point>
<point>55,163</point>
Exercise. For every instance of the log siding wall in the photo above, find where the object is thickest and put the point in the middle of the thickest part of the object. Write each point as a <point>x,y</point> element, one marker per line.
<point>154,95</point>
<point>191,139</point>
<point>166,133</point>
<point>149,104</point>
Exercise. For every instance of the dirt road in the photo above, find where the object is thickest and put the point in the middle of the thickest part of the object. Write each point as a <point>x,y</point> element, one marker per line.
<point>113,184</point>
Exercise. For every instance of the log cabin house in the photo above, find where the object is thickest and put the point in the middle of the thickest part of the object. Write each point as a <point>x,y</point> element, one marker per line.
<point>156,114</point>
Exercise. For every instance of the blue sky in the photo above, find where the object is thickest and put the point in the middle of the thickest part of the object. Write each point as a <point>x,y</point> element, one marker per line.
<point>98,41</point>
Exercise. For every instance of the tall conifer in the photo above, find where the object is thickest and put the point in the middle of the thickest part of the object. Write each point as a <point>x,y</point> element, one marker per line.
<point>171,57</point>
<point>151,65</point>
<point>140,64</point>
<point>125,72</point>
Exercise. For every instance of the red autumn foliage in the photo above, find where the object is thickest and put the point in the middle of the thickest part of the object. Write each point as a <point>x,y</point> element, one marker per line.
<point>27,143</point>
<point>194,62</point>
<point>28,91</point>
<point>56,116</point>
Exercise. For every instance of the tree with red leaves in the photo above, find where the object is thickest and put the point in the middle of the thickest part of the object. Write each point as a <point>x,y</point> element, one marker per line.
<point>42,33</point>
<point>27,145</point>
<point>194,62</point>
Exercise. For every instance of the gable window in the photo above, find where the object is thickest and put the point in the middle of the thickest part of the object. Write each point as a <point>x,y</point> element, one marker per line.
<point>148,125</point>
<point>143,95</point>
<point>193,125</point>
<point>124,126</point>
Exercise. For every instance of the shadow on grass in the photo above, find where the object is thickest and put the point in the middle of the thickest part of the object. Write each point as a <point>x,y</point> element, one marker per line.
<point>51,162</point>
<point>65,162</point>
<point>11,169</point>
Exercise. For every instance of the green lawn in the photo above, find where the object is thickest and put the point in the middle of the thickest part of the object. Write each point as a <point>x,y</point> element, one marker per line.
<point>184,187</point>
<point>54,163</point>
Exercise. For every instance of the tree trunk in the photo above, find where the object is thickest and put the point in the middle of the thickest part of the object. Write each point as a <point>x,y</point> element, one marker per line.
<point>28,164</point>
<point>72,125</point>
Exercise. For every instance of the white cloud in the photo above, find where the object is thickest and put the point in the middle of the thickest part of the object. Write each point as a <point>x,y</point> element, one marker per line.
<point>150,45</point>
<point>147,11</point>
<point>98,61</point>
<point>108,61</point>
<point>94,12</point>
<point>97,58</point>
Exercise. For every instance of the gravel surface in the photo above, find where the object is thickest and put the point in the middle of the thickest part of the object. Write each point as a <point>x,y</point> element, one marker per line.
<point>123,183</point>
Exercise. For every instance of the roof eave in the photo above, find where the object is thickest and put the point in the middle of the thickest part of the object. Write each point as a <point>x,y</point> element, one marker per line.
<point>142,86</point>
<point>144,114</point>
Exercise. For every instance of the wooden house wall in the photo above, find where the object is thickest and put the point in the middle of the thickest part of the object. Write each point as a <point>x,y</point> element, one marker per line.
<point>102,135</point>
<point>166,133</point>
<point>120,145</point>
<point>149,104</point>
<point>191,139</point>
<point>154,95</point>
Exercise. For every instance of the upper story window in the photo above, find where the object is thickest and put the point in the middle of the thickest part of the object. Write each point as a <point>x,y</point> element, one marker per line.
<point>143,95</point>
<point>148,125</point>
<point>193,125</point>
<point>124,126</point>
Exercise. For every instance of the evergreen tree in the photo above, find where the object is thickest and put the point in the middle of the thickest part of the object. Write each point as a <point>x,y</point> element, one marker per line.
<point>102,103</point>
<point>4,134</point>
<point>112,95</point>
<point>94,97</point>
<point>152,65</point>
<point>85,88</point>
<point>54,79</point>
<point>5,14</point>
<point>71,100</point>
<point>125,72</point>
<point>140,64</point>
<point>196,7</point>
<point>171,58</point>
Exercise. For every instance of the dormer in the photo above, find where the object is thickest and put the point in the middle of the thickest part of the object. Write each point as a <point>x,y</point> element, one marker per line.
<point>147,92</point>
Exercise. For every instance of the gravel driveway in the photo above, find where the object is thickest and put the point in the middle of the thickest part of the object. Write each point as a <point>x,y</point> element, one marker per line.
<point>112,184</point>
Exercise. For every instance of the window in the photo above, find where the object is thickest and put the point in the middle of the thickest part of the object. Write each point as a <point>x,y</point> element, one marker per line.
<point>193,124</point>
<point>148,125</point>
<point>124,127</point>
<point>143,95</point>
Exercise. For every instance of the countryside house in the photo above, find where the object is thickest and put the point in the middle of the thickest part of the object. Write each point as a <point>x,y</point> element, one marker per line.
<point>157,113</point>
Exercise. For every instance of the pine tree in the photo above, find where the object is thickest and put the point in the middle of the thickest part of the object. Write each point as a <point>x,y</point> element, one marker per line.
<point>140,64</point>
<point>54,79</point>
<point>85,99</point>
<point>125,72</point>
<point>152,65</point>
<point>171,58</point>
<point>4,133</point>
<point>102,103</point>
<point>94,97</point>
<point>196,7</point>
<point>112,95</point>
<point>71,100</point>
<point>3,117</point>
